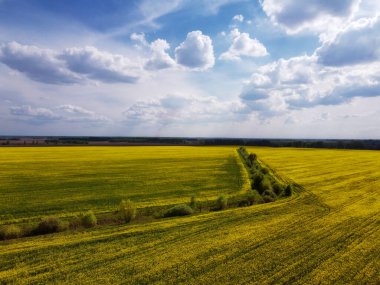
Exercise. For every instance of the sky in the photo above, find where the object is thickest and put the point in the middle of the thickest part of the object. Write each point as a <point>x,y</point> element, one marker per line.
<point>190,68</point>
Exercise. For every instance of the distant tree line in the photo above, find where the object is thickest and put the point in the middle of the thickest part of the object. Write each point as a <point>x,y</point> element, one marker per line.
<point>299,143</point>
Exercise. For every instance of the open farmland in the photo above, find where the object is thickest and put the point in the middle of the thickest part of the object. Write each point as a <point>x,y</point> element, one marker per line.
<point>64,180</point>
<point>328,233</point>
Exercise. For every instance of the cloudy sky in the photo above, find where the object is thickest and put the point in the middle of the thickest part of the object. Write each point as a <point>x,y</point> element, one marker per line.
<point>209,68</point>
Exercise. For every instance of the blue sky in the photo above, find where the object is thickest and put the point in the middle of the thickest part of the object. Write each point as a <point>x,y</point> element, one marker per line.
<point>217,68</point>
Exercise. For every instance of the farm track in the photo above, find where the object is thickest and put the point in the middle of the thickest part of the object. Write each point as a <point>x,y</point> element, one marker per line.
<point>328,233</point>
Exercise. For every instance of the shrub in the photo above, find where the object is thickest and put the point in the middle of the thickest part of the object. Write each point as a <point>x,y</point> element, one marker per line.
<point>127,210</point>
<point>278,189</point>
<point>178,210</point>
<point>50,225</point>
<point>254,197</point>
<point>221,202</point>
<point>268,199</point>
<point>75,222</point>
<point>89,219</point>
<point>193,202</point>
<point>264,185</point>
<point>257,178</point>
<point>288,190</point>
<point>10,232</point>
<point>244,203</point>
<point>270,193</point>
<point>264,170</point>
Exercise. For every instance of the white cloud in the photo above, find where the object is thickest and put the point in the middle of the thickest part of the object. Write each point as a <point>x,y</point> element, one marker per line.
<point>243,45</point>
<point>314,15</point>
<point>356,44</point>
<point>140,38</point>
<point>35,114</point>
<point>196,52</point>
<point>160,59</point>
<point>171,109</point>
<point>238,18</point>
<point>37,63</point>
<point>72,113</point>
<point>103,66</point>
<point>73,65</point>
<point>300,82</point>
<point>68,113</point>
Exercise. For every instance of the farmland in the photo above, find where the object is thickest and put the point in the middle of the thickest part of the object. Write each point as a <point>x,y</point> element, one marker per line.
<point>329,232</point>
<point>64,180</point>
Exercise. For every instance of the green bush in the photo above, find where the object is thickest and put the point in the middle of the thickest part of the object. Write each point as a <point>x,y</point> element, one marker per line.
<point>244,203</point>
<point>269,192</point>
<point>178,210</point>
<point>50,225</point>
<point>75,222</point>
<point>288,190</point>
<point>265,184</point>
<point>193,202</point>
<point>254,197</point>
<point>268,199</point>
<point>10,232</point>
<point>264,170</point>
<point>221,202</point>
<point>127,210</point>
<point>278,189</point>
<point>256,180</point>
<point>89,219</point>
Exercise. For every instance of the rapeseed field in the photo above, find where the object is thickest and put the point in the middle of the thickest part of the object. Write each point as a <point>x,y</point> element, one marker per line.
<point>326,233</point>
<point>40,181</point>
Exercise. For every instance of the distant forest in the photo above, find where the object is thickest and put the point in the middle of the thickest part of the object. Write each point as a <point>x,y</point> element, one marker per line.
<point>301,143</point>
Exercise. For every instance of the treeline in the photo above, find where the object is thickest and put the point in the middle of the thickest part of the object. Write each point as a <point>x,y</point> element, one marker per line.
<point>264,182</point>
<point>299,143</point>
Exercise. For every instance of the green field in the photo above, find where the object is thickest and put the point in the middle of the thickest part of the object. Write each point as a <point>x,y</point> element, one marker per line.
<point>329,233</point>
<point>64,180</point>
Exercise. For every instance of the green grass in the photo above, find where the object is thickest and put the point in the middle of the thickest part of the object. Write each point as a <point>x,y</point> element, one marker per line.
<point>326,234</point>
<point>63,180</point>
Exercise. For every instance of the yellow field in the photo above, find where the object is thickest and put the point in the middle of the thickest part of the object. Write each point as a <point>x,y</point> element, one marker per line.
<point>329,233</point>
<point>40,181</point>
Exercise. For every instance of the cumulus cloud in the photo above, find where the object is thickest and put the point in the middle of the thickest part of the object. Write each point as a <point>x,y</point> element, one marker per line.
<point>38,64</point>
<point>243,45</point>
<point>140,38</point>
<point>72,113</point>
<point>358,43</point>
<point>160,59</point>
<point>73,65</point>
<point>298,15</point>
<point>67,113</point>
<point>196,52</point>
<point>34,114</point>
<point>238,18</point>
<point>301,82</point>
<point>181,109</point>
<point>99,65</point>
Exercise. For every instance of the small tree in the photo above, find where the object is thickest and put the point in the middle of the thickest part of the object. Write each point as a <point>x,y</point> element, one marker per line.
<point>127,210</point>
<point>256,180</point>
<point>178,210</point>
<point>288,190</point>
<point>89,219</point>
<point>221,202</point>
<point>254,197</point>
<point>278,189</point>
<point>193,202</point>
<point>10,232</point>
<point>50,225</point>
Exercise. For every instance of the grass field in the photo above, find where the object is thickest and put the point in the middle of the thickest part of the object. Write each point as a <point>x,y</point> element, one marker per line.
<point>329,233</point>
<point>63,180</point>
